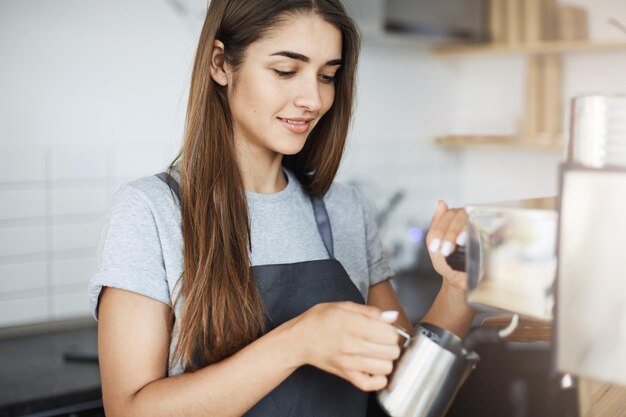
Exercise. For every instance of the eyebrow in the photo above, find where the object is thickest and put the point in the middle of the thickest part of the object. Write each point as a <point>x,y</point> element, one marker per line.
<point>303,58</point>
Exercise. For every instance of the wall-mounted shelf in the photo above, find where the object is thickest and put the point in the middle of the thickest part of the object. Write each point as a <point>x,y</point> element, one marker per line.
<point>541,48</point>
<point>497,141</point>
<point>544,95</point>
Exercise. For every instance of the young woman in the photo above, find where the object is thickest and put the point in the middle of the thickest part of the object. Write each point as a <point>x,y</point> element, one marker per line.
<point>245,281</point>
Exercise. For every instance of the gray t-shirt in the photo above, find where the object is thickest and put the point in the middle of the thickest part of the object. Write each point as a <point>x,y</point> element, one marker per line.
<point>140,246</point>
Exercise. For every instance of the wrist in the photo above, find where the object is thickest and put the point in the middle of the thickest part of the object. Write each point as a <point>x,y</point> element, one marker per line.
<point>453,289</point>
<point>290,336</point>
<point>450,310</point>
<point>456,299</point>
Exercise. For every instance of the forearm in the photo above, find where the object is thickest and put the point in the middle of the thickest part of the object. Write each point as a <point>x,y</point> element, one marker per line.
<point>450,311</point>
<point>227,388</point>
<point>383,296</point>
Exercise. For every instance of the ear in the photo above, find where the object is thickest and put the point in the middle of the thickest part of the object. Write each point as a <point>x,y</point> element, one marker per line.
<point>218,66</point>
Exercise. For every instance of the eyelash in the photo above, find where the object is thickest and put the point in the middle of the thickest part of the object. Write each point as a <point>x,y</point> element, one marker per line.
<point>288,74</point>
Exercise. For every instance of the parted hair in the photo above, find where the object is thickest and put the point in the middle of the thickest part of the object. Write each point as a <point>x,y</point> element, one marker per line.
<point>221,309</point>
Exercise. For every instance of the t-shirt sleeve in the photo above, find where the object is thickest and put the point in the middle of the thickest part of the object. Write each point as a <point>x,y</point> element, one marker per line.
<point>378,266</point>
<point>129,250</point>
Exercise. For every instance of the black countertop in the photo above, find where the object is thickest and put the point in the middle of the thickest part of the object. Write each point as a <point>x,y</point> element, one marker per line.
<point>35,377</point>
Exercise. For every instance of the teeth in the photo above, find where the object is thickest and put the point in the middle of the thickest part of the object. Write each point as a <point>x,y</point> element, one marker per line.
<point>294,122</point>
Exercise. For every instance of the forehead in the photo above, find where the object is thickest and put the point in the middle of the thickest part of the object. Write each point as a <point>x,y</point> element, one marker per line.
<point>305,33</point>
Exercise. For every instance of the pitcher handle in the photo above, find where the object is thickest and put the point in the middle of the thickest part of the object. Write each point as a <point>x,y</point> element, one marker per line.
<point>402,332</point>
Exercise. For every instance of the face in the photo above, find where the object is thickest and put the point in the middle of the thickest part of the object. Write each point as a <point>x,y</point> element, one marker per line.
<point>284,86</point>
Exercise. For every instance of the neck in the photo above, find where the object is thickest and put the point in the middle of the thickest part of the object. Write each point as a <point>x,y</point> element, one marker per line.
<point>261,169</point>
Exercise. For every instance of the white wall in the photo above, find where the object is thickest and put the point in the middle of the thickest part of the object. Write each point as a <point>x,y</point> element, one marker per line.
<point>399,111</point>
<point>93,95</point>
<point>92,72</point>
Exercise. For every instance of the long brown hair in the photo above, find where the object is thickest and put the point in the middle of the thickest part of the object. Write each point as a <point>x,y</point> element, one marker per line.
<point>222,310</point>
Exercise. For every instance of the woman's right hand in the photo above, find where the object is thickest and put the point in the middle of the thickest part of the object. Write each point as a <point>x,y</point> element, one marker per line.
<point>353,341</point>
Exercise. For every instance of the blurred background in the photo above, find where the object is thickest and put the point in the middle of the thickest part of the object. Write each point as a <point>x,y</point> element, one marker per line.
<point>93,94</point>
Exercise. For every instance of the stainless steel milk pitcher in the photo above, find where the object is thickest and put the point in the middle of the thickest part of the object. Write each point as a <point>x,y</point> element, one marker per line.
<point>428,374</point>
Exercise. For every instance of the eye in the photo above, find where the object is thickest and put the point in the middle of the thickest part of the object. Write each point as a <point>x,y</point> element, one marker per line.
<point>284,74</point>
<point>328,79</point>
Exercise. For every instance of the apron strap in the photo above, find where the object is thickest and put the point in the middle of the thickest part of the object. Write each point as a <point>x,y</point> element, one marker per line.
<point>323,224</point>
<point>171,182</point>
<point>319,210</point>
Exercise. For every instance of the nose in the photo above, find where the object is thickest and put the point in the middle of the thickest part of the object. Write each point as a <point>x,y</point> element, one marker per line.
<point>309,95</point>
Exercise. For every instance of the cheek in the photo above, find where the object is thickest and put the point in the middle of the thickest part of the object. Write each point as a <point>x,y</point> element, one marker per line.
<point>328,98</point>
<point>264,96</point>
<point>250,90</point>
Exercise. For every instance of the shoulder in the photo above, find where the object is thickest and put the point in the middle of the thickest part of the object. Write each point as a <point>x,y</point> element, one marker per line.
<point>348,197</point>
<point>343,192</point>
<point>148,192</point>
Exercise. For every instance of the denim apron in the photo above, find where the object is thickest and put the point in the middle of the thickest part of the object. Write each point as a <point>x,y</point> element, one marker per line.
<point>288,290</point>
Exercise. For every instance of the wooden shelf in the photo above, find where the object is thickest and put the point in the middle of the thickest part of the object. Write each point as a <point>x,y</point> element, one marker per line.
<point>543,48</point>
<point>496,142</point>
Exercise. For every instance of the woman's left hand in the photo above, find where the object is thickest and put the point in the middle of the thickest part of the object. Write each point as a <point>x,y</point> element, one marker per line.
<point>448,230</point>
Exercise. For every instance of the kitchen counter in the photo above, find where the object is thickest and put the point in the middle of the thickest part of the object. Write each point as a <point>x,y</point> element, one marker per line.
<point>36,379</point>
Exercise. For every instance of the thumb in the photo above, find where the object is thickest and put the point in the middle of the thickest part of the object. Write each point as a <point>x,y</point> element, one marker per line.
<point>441,209</point>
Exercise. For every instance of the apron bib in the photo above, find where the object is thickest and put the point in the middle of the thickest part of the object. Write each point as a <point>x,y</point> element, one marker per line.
<point>288,290</point>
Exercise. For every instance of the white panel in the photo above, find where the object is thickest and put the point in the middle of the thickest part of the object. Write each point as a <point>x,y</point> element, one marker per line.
<point>22,166</point>
<point>72,271</point>
<point>74,304</point>
<point>22,276</point>
<point>75,236</point>
<point>22,203</point>
<point>23,311</point>
<point>591,288</point>
<point>21,240</point>
<point>78,163</point>
<point>79,200</point>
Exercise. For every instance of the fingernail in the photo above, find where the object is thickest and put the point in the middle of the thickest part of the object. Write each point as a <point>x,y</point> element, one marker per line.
<point>434,245</point>
<point>446,248</point>
<point>461,239</point>
<point>390,315</point>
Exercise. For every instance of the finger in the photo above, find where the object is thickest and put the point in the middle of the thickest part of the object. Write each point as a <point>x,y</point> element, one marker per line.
<point>390,316</point>
<point>377,332</point>
<point>372,312</point>
<point>372,366</point>
<point>461,239</point>
<point>455,228</point>
<point>442,207</point>
<point>376,350</point>
<point>366,382</point>
<point>363,309</point>
<point>437,231</point>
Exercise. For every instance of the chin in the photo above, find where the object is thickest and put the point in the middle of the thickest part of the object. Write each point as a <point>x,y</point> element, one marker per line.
<point>290,149</point>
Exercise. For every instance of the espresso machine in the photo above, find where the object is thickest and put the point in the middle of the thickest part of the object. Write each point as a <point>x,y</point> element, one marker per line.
<point>591,287</point>
<point>555,263</point>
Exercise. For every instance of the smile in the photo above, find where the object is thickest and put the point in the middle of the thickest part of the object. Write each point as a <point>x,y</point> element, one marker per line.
<point>296,125</point>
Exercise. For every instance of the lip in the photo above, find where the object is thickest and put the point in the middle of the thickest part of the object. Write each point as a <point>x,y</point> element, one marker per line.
<point>303,125</point>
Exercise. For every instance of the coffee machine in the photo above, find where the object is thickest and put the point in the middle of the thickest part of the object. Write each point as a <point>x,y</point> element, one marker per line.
<point>556,261</point>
